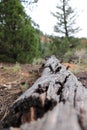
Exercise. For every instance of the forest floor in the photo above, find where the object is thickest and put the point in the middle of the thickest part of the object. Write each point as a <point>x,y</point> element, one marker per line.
<point>15,79</point>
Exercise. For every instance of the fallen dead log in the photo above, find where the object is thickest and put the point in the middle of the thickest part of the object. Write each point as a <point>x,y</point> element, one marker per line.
<point>57,100</point>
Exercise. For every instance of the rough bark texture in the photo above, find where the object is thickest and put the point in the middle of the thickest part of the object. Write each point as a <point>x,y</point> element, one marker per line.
<point>56,101</point>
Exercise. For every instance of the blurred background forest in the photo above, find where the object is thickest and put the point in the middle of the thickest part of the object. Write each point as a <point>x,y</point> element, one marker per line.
<point>22,41</point>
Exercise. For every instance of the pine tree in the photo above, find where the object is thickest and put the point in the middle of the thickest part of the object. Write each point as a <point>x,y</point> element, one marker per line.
<point>65,19</point>
<point>17,36</point>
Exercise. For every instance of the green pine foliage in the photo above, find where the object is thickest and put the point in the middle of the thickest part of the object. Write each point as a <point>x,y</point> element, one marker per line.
<point>19,41</point>
<point>59,46</point>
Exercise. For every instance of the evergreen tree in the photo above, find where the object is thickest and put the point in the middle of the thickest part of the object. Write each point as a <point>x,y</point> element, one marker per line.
<point>65,19</point>
<point>17,36</point>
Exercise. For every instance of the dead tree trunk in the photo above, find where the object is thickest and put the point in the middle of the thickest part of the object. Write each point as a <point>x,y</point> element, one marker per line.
<point>56,101</point>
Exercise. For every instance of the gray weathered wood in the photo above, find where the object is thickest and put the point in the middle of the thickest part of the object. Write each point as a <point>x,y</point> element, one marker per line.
<point>57,100</point>
<point>62,117</point>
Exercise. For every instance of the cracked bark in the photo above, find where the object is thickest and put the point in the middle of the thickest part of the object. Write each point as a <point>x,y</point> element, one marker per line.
<point>57,100</point>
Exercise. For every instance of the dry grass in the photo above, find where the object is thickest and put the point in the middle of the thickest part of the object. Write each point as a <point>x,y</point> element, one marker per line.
<point>75,68</point>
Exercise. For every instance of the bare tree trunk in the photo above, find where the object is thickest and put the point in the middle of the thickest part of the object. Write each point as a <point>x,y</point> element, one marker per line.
<point>65,19</point>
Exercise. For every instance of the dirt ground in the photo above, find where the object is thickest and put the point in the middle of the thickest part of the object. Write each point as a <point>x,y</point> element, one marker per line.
<point>82,77</point>
<point>16,78</point>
